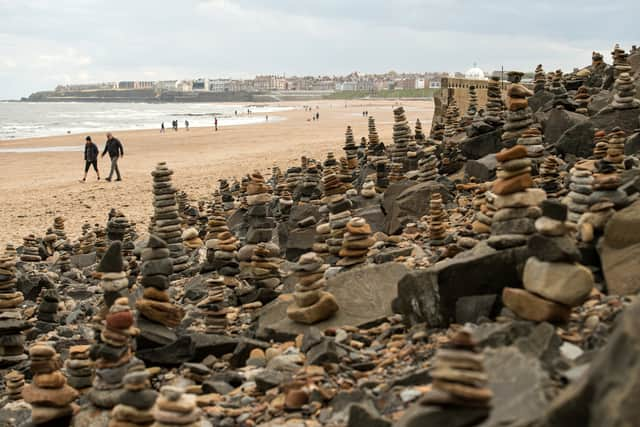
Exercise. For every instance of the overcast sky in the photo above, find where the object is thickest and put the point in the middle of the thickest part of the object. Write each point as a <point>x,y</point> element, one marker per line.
<point>44,42</point>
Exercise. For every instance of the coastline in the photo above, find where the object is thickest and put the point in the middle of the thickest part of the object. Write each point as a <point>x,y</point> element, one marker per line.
<point>36,187</point>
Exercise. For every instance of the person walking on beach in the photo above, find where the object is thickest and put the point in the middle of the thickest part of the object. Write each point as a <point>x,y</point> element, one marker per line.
<point>162,128</point>
<point>215,123</point>
<point>186,124</point>
<point>115,150</point>
<point>317,116</point>
<point>90,157</point>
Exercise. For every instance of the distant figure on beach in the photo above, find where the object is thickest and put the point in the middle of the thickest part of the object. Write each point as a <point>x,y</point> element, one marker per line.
<point>236,113</point>
<point>115,150</point>
<point>266,118</point>
<point>162,128</point>
<point>215,123</point>
<point>186,124</point>
<point>317,116</point>
<point>90,157</point>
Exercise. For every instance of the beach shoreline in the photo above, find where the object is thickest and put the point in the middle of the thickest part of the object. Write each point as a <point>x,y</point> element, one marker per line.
<point>37,186</point>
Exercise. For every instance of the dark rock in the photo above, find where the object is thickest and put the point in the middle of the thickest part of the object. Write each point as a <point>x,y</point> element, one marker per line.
<point>111,262</point>
<point>479,146</point>
<point>196,288</point>
<point>312,336</point>
<point>559,122</point>
<point>269,378</point>
<point>176,353</point>
<point>325,352</point>
<point>412,204</point>
<point>422,416</point>
<point>242,351</point>
<point>607,119</point>
<point>543,343</point>
<point>363,295</point>
<point>155,333</point>
<point>418,377</point>
<point>390,254</point>
<point>471,308</point>
<point>553,249</point>
<point>607,394</point>
<point>373,215</point>
<point>219,387</point>
<point>632,146</point>
<point>360,415</point>
<point>539,99</point>
<point>430,295</point>
<point>577,140</point>
<point>483,169</point>
<point>300,241</point>
<point>83,260</point>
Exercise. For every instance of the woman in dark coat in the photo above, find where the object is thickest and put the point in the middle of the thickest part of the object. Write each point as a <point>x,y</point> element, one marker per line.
<point>90,157</point>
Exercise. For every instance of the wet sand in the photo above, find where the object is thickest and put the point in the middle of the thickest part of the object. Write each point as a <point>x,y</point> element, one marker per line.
<point>37,186</point>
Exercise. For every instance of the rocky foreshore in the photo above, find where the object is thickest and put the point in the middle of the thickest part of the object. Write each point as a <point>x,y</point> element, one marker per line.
<point>484,274</point>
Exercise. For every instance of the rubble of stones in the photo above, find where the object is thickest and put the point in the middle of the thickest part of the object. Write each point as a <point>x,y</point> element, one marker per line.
<point>484,274</point>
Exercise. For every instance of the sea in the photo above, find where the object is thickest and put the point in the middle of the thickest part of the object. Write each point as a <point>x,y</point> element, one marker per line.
<point>37,119</point>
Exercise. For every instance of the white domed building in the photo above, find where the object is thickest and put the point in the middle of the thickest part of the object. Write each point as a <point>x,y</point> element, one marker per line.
<point>474,73</point>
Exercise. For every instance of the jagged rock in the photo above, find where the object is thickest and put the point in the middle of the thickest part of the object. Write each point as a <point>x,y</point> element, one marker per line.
<point>607,394</point>
<point>539,100</point>
<point>620,251</point>
<point>483,169</point>
<point>632,146</point>
<point>363,295</point>
<point>430,295</point>
<point>577,140</point>
<point>300,241</point>
<point>373,215</point>
<point>360,415</point>
<point>481,145</point>
<point>412,204</point>
<point>558,122</point>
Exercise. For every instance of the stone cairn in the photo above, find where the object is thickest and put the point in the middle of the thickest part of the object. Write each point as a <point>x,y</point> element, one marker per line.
<point>495,105</point>
<point>368,190</point>
<point>155,305</point>
<point>516,202</point>
<point>227,196</point>
<point>265,266</point>
<point>560,94</point>
<point>58,228</point>
<point>531,139</point>
<point>580,186</point>
<point>615,147</point>
<point>350,149</point>
<point>396,173</point>
<point>624,97</point>
<point>473,103</point>
<point>600,144</point>
<point>539,79</point>
<point>355,243</point>
<point>419,135</point>
<point>549,179</point>
<point>14,383</point>
<point>48,242</point>
<point>484,210</point>
<point>401,137</point>
<point>174,407</point>
<point>428,165</point>
<point>214,307</point>
<point>606,185</point>
<point>113,355</point>
<point>519,115</point>
<point>50,396</point>
<point>311,302</point>
<point>30,252</point>
<point>117,227</point>
<point>87,240</point>
<point>113,278</point>
<point>451,119</point>
<point>320,246</point>
<point>79,367</point>
<point>437,220</point>
<point>293,178</point>
<point>620,61</point>
<point>258,199</point>
<point>48,309</point>
<point>11,323</point>
<point>136,401</point>
<point>101,241</point>
<point>345,174</point>
<point>285,204</point>
<point>222,247</point>
<point>339,209</point>
<point>553,280</point>
<point>581,99</point>
<point>375,152</point>
<point>382,177</point>
<point>191,240</point>
<point>459,377</point>
<point>310,189</point>
<point>167,221</point>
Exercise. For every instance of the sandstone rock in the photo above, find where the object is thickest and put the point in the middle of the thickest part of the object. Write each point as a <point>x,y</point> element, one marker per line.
<point>531,307</point>
<point>567,284</point>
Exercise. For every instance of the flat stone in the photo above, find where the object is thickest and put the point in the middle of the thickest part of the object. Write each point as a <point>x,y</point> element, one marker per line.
<point>531,307</point>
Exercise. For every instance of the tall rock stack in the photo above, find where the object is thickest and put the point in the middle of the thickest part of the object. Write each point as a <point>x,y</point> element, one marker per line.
<point>624,97</point>
<point>600,144</point>
<point>355,243</point>
<point>473,102</point>
<point>620,61</point>
<point>79,367</point>
<point>50,396</point>
<point>101,241</point>
<point>560,94</point>
<point>226,194</point>
<point>113,355</point>
<point>113,278</point>
<point>117,227</point>
<point>155,305</point>
<point>375,148</point>
<point>293,178</point>
<point>173,407</point>
<point>382,176</point>
<point>516,202</point>
<point>214,307</point>
<point>495,105</point>
<point>30,252</point>
<point>437,220</point>
<point>531,139</point>
<point>459,377</point>
<point>311,302</point>
<point>539,79</point>
<point>11,323</point>
<point>519,114</point>
<point>183,201</point>
<point>58,228</point>
<point>191,240</point>
<point>428,165</point>
<point>451,119</point>
<point>549,179</point>
<point>606,186</point>
<point>396,173</point>
<point>265,266</point>
<point>310,188</point>
<point>420,137</point>
<point>222,250</point>
<point>615,147</point>
<point>553,280</point>
<point>258,199</point>
<point>582,99</point>
<point>285,204</point>
<point>350,149</point>
<point>48,309</point>
<point>88,239</point>
<point>320,246</point>
<point>330,161</point>
<point>136,401</point>
<point>401,137</point>
<point>345,174</point>
<point>580,186</point>
<point>167,221</point>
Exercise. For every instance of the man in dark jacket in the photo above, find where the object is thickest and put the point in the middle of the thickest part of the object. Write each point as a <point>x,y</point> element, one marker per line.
<point>90,157</point>
<point>115,150</point>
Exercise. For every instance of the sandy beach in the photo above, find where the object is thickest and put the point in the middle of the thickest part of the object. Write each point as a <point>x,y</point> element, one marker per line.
<point>35,187</point>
